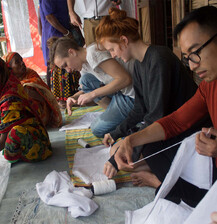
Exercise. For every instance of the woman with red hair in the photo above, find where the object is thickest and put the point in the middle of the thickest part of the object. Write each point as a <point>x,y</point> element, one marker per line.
<point>161,83</point>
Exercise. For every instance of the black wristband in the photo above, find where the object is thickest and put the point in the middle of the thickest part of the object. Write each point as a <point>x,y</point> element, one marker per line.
<point>112,160</point>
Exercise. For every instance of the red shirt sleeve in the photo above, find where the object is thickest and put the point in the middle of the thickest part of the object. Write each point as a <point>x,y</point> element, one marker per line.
<point>187,115</point>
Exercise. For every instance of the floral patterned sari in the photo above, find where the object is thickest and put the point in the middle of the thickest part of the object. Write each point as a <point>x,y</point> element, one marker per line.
<point>27,138</point>
<point>49,110</point>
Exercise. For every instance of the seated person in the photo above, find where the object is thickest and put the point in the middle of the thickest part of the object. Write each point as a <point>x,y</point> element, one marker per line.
<point>197,34</point>
<point>37,90</point>
<point>63,84</point>
<point>22,135</point>
<point>161,82</point>
<point>103,80</point>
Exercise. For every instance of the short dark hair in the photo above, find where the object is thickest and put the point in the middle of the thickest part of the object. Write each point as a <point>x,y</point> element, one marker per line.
<point>205,16</point>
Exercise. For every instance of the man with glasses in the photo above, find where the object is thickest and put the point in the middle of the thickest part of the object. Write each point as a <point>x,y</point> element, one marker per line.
<point>197,34</point>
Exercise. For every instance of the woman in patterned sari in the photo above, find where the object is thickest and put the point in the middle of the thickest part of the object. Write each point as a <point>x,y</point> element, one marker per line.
<point>37,90</point>
<point>22,135</point>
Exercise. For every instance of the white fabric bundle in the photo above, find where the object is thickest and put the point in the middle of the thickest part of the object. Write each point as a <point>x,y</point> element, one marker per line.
<point>82,122</point>
<point>5,168</point>
<point>189,165</point>
<point>89,163</point>
<point>58,190</point>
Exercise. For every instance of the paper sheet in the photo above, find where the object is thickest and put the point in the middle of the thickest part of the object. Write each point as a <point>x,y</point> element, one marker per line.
<point>89,163</point>
<point>82,122</point>
<point>5,168</point>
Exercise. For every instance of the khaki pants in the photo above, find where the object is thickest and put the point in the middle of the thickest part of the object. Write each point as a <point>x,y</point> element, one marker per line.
<point>89,30</point>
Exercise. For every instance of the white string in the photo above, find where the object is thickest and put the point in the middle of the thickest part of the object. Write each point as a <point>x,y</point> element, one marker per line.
<point>156,153</point>
<point>103,187</point>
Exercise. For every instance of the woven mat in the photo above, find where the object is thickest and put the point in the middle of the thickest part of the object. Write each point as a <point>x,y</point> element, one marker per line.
<point>71,143</point>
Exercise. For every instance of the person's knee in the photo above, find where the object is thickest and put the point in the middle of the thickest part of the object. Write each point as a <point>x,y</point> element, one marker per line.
<point>85,79</point>
<point>89,82</point>
<point>97,130</point>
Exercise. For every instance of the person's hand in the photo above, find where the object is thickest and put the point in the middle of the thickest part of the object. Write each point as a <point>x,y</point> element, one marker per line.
<point>109,170</point>
<point>108,140</point>
<point>123,156</point>
<point>75,19</point>
<point>69,103</point>
<point>85,98</point>
<point>214,218</point>
<point>204,144</point>
<point>117,2</point>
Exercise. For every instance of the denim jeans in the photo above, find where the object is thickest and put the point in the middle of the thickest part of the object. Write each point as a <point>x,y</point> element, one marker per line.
<point>116,111</point>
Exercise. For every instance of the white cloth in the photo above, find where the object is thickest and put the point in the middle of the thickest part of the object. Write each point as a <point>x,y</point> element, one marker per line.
<point>88,9</point>
<point>58,190</point>
<point>189,165</point>
<point>207,205</point>
<point>5,168</point>
<point>18,26</point>
<point>95,57</point>
<point>82,122</point>
<point>89,163</point>
<point>164,212</point>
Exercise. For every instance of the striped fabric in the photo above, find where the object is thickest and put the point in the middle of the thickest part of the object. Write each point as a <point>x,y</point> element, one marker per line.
<point>71,144</point>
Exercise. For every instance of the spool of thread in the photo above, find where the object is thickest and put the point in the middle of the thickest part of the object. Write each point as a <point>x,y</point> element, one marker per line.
<point>103,187</point>
<point>82,143</point>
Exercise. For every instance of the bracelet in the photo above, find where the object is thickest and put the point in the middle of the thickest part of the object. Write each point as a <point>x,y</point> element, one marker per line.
<point>65,35</point>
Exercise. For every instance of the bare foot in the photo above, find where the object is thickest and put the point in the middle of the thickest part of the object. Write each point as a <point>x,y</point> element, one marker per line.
<point>145,178</point>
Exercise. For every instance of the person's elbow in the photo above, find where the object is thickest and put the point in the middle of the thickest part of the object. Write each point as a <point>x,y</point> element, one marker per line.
<point>50,18</point>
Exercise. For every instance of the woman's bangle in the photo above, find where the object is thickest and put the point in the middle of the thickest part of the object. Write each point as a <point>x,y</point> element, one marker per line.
<point>65,35</point>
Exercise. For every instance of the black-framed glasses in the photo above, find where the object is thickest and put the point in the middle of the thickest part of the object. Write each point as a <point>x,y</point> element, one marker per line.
<point>194,56</point>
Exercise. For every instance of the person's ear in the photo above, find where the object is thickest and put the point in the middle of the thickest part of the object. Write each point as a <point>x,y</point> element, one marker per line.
<point>124,40</point>
<point>72,52</point>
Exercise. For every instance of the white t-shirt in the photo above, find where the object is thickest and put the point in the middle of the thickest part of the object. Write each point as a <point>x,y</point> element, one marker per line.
<point>95,57</point>
<point>89,8</point>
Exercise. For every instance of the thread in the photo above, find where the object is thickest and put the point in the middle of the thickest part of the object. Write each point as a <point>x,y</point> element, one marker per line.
<point>157,153</point>
<point>83,143</point>
<point>103,187</point>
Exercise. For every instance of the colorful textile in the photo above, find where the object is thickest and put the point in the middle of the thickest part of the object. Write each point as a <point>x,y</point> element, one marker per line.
<point>39,92</point>
<point>64,84</point>
<point>26,138</point>
<point>71,144</point>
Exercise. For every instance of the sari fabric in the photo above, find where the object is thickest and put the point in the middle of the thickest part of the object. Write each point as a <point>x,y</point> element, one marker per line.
<point>64,84</point>
<point>39,92</point>
<point>27,138</point>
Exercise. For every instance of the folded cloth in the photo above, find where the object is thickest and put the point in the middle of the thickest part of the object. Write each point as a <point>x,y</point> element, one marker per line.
<point>5,168</point>
<point>89,163</point>
<point>82,122</point>
<point>58,190</point>
<point>189,165</point>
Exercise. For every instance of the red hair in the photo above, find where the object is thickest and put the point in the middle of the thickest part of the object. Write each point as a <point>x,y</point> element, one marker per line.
<point>115,25</point>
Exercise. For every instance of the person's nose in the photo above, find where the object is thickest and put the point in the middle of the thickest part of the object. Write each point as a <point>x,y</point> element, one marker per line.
<point>193,66</point>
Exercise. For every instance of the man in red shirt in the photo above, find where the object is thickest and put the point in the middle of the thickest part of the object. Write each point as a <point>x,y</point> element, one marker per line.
<point>197,34</point>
